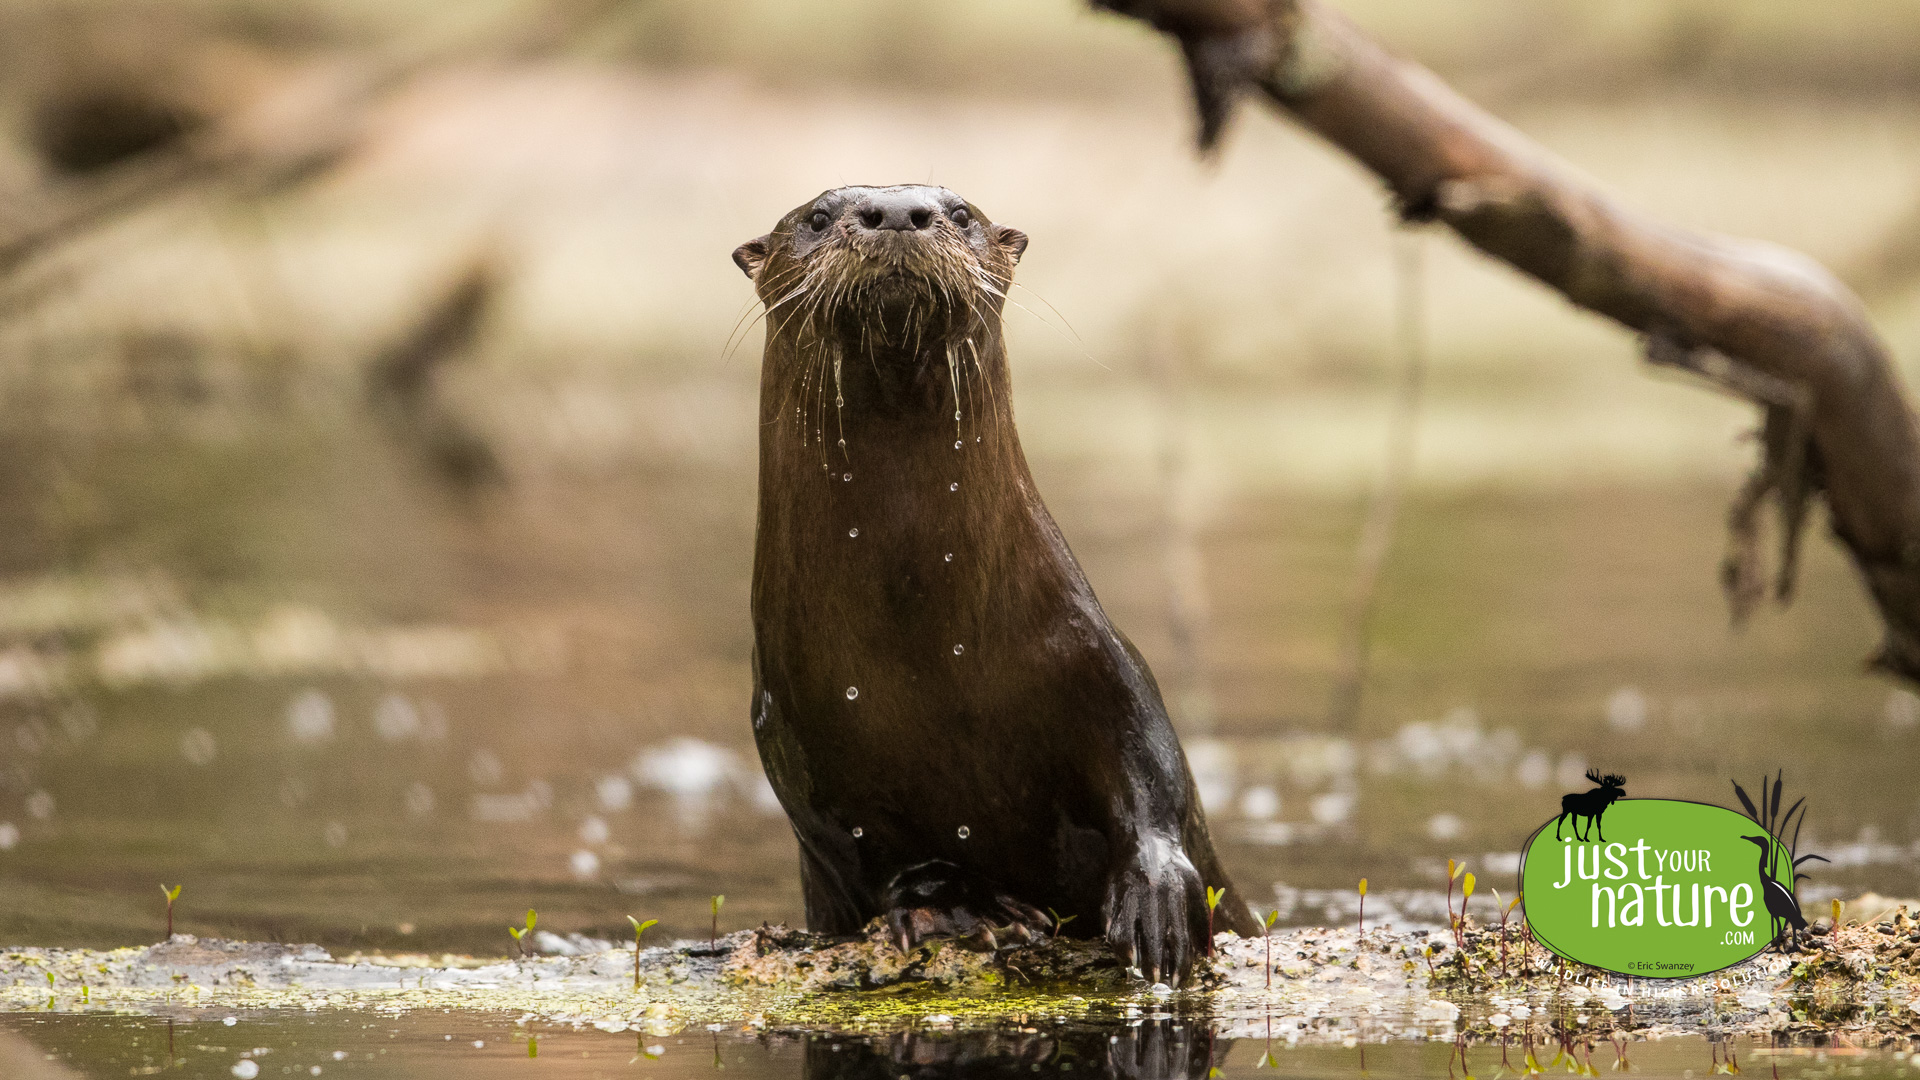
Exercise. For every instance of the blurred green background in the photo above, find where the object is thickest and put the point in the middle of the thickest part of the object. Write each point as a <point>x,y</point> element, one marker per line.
<point>376,442</point>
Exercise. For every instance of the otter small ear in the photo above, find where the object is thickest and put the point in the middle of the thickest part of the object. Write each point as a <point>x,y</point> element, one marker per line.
<point>1011,239</point>
<point>752,255</point>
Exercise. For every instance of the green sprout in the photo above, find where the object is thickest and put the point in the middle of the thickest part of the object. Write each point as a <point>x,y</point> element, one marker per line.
<point>1060,920</point>
<point>714,934</point>
<point>1460,927</point>
<point>1505,911</point>
<point>171,895</point>
<point>1454,870</point>
<point>1363,907</point>
<point>638,929</point>
<point>520,934</point>
<point>1214,897</point>
<point>1272,917</point>
<point>533,1046</point>
<point>1837,908</point>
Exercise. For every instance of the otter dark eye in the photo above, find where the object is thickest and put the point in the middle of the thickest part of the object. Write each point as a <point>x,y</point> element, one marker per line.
<point>961,217</point>
<point>819,220</point>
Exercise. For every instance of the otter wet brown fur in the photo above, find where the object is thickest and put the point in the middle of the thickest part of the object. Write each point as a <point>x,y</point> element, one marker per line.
<point>961,738</point>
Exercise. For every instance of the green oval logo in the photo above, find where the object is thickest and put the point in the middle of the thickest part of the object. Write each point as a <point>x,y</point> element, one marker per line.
<point>1657,888</point>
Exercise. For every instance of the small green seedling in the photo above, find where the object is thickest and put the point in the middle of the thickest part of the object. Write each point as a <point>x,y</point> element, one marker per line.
<point>1460,927</point>
<point>1505,910</point>
<point>1838,907</point>
<point>1060,920</point>
<point>1363,907</point>
<point>714,934</point>
<point>1272,917</point>
<point>171,895</point>
<point>521,934</point>
<point>638,929</point>
<point>1214,896</point>
<point>1454,870</point>
<point>533,1046</point>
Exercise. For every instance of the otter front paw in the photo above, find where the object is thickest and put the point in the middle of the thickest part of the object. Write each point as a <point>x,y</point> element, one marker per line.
<point>1155,912</point>
<point>939,899</point>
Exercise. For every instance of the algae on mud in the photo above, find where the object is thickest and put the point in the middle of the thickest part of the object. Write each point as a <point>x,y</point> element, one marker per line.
<point>1861,985</point>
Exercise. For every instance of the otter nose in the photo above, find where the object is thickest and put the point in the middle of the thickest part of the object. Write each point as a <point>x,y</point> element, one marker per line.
<point>899,211</point>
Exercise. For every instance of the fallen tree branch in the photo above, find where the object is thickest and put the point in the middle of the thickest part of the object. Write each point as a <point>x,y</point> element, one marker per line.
<point>315,116</point>
<point>1761,321</point>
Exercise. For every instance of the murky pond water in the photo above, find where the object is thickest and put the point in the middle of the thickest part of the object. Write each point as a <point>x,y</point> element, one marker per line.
<point>594,760</point>
<point>221,1045</point>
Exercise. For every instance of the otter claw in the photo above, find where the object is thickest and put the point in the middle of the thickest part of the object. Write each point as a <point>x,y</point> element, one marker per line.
<point>1152,919</point>
<point>938,899</point>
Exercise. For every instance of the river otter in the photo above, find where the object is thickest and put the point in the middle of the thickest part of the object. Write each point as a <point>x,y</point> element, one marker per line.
<point>960,737</point>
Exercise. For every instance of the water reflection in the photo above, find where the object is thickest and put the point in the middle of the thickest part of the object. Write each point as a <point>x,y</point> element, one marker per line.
<point>1169,1049</point>
<point>216,1044</point>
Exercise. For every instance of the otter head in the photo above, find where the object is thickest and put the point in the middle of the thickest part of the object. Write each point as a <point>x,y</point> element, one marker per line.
<point>887,265</point>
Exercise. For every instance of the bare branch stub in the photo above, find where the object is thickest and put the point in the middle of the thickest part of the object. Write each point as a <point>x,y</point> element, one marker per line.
<point>1760,320</point>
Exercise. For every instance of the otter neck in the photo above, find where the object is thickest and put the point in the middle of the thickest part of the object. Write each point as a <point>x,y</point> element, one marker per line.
<point>916,508</point>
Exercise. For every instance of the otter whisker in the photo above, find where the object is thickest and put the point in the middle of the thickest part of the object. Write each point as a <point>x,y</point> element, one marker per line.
<point>839,393</point>
<point>733,345</point>
<point>820,412</point>
<point>1063,319</point>
<point>986,380</point>
<point>953,381</point>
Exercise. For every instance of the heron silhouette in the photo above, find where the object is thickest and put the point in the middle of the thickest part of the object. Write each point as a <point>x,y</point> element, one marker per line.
<point>1779,899</point>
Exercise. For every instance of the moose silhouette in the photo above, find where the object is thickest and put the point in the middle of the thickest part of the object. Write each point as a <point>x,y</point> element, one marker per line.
<point>1590,805</point>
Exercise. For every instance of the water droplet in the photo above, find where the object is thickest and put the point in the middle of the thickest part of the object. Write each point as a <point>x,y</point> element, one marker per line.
<point>955,486</point>
<point>965,832</point>
<point>956,414</point>
<point>839,402</point>
<point>957,444</point>
<point>847,477</point>
<point>976,438</point>
<point>958,649</point>
<point>852,692</point>
<point>949,556</point>
<point>843,444</point>
<point>858,832</point>
<point>853,532</point>
<point>823,467</point>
